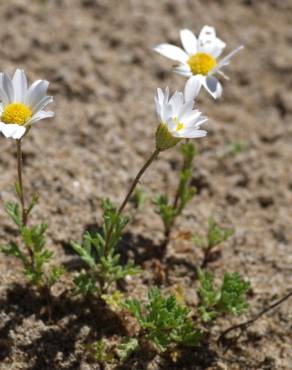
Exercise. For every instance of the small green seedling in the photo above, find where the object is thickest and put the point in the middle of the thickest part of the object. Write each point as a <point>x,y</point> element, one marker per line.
<point>215,236</point>
<point>103,262</point>
<point>34,256</point>
<point>140,197</point>
<point>163,322</point>
<point>229,298</point>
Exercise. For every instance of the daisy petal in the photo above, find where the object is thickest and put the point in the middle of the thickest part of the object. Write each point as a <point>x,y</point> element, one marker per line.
<point>42,104</point>
<point>19,82</point>
<point>172,52</point>
<point>183,70</point>
<point>192,87</point>
<point>213,86</point>
<point>226,60</point>
<point>189,41</point>
<point>36,93</point>
<point>190,133</point>
<point>40,115</point>
<point>209,43</point>
<point>12,131</point>
<point>7,87</point>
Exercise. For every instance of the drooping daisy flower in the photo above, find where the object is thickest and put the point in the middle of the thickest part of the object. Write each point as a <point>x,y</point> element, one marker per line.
<point>21,106</point>
<point>198,60</point>
<point>177,119</point>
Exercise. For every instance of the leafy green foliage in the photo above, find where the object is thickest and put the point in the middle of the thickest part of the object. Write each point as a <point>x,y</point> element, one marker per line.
<point>167,210</point>
<point>127,348</point>
<point>101,258</point>
<point>163,321</point>
<point>100,352</point>
<point>140,197</point>
<point>230,298</point>
<point>35,256</point>
<point>215,236</point>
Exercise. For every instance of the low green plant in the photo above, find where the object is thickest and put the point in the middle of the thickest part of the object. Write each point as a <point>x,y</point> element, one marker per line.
<point>229,298</point>
<point>215,236</point>
<point>100,352</point>
<point>163,322</point>
<point>127,348</point>
<point>99,252</point>
<point>170,210</point>
<point>33,254</point>
<point>140,197</point>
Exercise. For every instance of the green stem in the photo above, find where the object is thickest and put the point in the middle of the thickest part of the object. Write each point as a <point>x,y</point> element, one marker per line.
<point>20,183</point>
<point>21,195</point>
<point>130,192</point>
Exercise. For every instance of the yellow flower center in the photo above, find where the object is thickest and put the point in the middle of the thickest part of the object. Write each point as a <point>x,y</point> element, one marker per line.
<point>201,63</point>
<point>16,113</point>
<point>179,124</point>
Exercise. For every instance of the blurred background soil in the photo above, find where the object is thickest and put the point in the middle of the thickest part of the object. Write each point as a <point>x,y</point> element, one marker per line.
<point>97,55</point>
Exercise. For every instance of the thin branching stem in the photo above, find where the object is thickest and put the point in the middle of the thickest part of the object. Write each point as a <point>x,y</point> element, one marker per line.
<point>244,325</point>
<point>149,161</point>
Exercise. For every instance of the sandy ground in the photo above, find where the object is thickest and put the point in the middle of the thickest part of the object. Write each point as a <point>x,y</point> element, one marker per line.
<point>103,73</point>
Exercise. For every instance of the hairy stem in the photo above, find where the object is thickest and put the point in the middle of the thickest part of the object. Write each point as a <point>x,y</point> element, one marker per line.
<point>152,157</point>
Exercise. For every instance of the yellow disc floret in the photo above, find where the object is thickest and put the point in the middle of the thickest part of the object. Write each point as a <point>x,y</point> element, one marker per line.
<point>17,113</point>
<point>201,63</point>
<point>179,126</point>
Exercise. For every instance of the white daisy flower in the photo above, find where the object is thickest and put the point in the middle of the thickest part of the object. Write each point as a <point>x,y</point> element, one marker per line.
<point>198,60</point>
<point>20,106</point>
<point>177,119</point>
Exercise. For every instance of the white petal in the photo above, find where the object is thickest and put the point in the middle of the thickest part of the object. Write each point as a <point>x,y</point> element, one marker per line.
<point>19,82</point>
<point>42,104</point>
<point>7,87</point>
<point>190,133</point>
<point>209,43</point>
<point>185,110</point>
<point>226,60</point>
<point>176,101</point>
<point>3,96</point>
<point>200,121</point>
<point>36,93</point>
<point>183,70</point>
<point>172,52</point>
<point>193,87</point>
<point>39,116</point>
<point>171,125</point>
<point>213,86</point>
<point>192,118</point>
<point>189,41</point>
<point>12,130</point>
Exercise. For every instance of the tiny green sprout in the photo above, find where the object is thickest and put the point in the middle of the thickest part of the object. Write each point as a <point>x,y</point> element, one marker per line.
<point>215,236</point>
<point>34,257</point>
<point>140,197</point>
<point>127,348</point>
<point>230,298</point>
<point>114,300</point>
<point>233,149</point>
<point>169,211</point>
<point>237,147</point>
<point>100,352</point>
<point>102,259</point>
<point>163,322</point>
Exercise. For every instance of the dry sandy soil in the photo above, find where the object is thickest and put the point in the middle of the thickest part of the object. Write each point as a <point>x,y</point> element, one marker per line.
<point>97,55</point>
